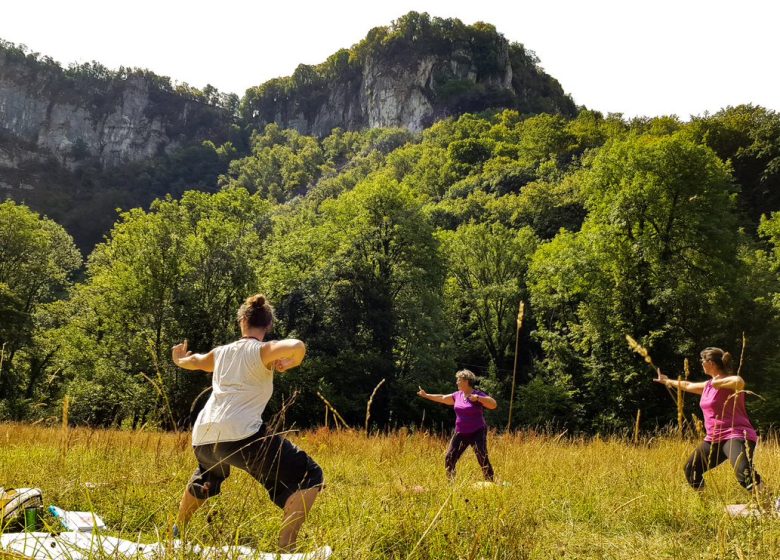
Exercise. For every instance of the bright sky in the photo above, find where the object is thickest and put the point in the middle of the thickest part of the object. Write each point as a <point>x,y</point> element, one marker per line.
<point>634,57</point>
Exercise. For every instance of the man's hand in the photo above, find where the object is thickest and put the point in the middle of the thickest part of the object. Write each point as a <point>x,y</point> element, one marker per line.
<point>180,351</point>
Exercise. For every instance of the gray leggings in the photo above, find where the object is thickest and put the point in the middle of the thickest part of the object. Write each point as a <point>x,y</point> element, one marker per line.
<point>711,454</point>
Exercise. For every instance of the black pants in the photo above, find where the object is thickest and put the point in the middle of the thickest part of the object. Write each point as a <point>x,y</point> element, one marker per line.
<point>458,445</point>
<point>709,455</point>
<point>272,460</point>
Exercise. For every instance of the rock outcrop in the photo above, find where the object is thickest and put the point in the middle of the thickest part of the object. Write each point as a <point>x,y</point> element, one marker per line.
<point>408,75</point>
<point>115,119</point>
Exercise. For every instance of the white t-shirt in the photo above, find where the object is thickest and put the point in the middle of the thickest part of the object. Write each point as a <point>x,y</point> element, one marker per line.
<point>242,387</point>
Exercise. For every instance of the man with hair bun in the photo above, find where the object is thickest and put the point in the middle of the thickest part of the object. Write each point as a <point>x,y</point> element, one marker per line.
<point>230,432</point>
<point>470,428</point>
<point>730,435</point>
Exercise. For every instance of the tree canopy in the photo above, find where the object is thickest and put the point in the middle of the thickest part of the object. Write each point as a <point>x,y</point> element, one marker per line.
<point>402,257</point>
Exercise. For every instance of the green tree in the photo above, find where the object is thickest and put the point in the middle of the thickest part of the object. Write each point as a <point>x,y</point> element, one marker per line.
<point>37,260</point>
<point>487,264</point>
<point>361,281</point>
<point>761,314</point>
<point>770,229</point>
<point>656,257</point>
<point>179,270</point>
<point>283,164</point>
<point>749,137</point>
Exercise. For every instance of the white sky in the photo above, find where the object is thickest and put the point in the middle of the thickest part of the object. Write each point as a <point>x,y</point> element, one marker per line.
<point>646,57</point>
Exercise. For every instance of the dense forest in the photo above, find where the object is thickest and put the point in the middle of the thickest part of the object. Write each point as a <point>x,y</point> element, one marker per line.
<point>402,256</point>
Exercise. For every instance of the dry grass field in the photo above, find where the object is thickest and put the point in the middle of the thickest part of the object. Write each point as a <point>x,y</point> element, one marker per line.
<point>387,495</point>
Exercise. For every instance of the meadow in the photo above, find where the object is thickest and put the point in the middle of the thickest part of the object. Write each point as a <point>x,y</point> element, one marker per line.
<point>387,495</point>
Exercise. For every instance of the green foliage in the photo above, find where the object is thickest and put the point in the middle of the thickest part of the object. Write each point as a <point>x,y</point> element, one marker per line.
<point>656,255</point>
<point>283,164</point>
<point>87,201</point>
<point>179,270</point>
<point>540,92</point>
<point>770,229</point>
<point>548,404</point>
<point>487,267</point>
<point>749,138</point>
<point>360,281</point>
<point>37,260</point>
<point>403,256</point>
<point>470,152</point>
<point>758,306</point>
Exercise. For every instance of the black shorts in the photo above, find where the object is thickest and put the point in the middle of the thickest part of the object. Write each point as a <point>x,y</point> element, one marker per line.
<point>272,460</point>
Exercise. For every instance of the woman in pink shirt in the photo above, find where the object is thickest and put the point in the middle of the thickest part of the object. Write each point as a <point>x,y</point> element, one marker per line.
<point>470,428</point>
<point>730,435</point>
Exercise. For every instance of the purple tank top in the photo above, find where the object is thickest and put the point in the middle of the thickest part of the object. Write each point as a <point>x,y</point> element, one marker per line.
<point>468,415</point>
<point>725,416</point>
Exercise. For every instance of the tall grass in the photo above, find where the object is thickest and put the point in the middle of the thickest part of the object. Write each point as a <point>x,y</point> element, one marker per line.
<point>388,497</point>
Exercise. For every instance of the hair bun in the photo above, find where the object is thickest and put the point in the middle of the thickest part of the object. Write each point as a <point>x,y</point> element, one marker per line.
<point>257,300</point>
<point>257,311</point>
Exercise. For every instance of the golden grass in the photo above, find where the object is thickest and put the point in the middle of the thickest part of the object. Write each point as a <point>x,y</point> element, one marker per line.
<point>388,497</point>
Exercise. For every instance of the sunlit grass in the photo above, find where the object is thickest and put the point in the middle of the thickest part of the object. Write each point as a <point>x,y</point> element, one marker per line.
<point>387,496</point>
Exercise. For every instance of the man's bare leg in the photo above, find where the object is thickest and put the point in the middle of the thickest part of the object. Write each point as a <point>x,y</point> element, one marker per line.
<point>187,507</point>
<point>296,509</point>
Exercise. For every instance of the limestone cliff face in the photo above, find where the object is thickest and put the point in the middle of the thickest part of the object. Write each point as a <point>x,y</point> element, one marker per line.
<point>343,109</point>
<point>394,96</point>
<point>408,75</point>
<point>116,121</point>
<point>408,95</point>
<point>409,90</point>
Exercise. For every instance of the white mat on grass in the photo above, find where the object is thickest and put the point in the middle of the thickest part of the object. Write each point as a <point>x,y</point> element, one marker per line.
<point>743,510</point>
<point>73,545</point>
<point>41,546</point>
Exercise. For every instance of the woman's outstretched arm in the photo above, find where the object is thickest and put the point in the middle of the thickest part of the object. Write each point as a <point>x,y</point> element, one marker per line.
<point>733,382</point>
<point>187,360</point>
<point>695,387</point>
<point>443,399</point>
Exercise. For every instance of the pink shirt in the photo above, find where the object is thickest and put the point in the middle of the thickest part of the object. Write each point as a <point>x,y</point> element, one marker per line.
<point>468,415</point>
<point>725,416</point>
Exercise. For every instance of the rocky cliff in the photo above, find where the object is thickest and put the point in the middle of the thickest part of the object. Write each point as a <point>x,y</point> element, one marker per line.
<point>76,143</point>
<point>89,112</point>
<point>408,74</point>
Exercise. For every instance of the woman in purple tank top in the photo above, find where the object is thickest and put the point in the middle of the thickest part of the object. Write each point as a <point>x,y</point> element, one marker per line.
<point>470,428</point>
<point>730,435</point>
